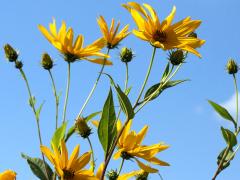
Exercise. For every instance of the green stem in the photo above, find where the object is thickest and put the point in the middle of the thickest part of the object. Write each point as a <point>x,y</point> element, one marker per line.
<point>146,77</point>
<point>36,117</point>
<point>236,88</point>
<point>121,166</point>
<point>67,92</point>
<point>156,91</point>
<point>56,97</point>
<point>91,147</point>
<point>126,79</point>
<point>93,88</point>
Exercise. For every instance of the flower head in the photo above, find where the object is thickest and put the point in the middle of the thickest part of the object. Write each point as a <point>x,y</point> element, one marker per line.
<point>72,51</point>
<point>111,34</point>
<point>8,175</point>
<point>130,147</point>
<point>164,35</point>
<point>69,168</point>
<point>232,66</point>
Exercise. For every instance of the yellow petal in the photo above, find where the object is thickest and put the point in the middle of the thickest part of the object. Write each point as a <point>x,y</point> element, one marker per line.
<point>53,28</point>
<point>146,167</point>
<point>157,161</point>
<point>73,157</point>
<point>125,132</point>
<point>99,61</point>
<point>82,161</point>
<point>168,21</point>
<point>100,170</point>
<point>64,154</point>
<point>95,123</point>
<point>141,135</point>
<point>45,32</point>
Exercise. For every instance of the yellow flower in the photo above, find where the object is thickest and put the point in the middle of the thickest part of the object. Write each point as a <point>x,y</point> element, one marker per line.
<point>130,147</point>
<point>8,175</point>
<point>72,168</point>
<point>164,35</point>
<point>63,41</point>
<point>125,176</point>
<point>110,35</point>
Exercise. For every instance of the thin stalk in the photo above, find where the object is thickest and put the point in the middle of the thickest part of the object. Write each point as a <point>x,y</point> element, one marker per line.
<point>36,117</point>
<point>56,98</point>
<point>161,85</point>
<point>93,88</point>
<point>67,92</point>
<point>121,166</point>
<point>126,79</point>
<point>91,147</point>
<point>146,77</point>
<point>236,89</point>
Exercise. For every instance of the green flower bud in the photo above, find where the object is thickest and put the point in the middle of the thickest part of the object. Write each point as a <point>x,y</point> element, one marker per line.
<point>176,57</point>
<point>126,55</point>
<point>82,128</point>
<point>46,62</point>
<point>112,175</point>
<point>18,64</point>
<point>193,34</point>
<point>142,176</point>
<point>232,67</point>
<point>10,53</point>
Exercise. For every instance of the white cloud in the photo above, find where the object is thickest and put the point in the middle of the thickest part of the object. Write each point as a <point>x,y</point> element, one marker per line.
<point>230,105</point>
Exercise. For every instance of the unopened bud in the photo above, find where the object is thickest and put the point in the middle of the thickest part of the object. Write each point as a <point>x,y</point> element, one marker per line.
<point>232,67</point>
<point>46,62</point>
<point>18,64</point>
<point>82,128</point>
<point>177,57</point>
<point>126,55</point>
<point>112,175</point>
<point>10,53</point>
<point>142,176</point>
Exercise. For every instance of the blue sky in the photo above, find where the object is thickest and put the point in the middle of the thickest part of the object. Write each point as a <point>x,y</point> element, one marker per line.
<point>181,117</point>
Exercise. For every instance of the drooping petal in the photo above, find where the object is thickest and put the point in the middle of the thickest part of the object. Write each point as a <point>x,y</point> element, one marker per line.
<point>145,167</point>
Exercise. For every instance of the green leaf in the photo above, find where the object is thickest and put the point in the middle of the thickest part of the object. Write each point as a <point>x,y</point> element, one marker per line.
<point>70,133</point>
<point>128,90</point>
<point>229,137</point>
<point>227,160</point>
<point>59,135</point>
<point>222,112</point>
<point>107,126</point>
<point>38,111</point>
<point>123,100</point>
<point>90,116</point>
<point>125,103</point>
<point>157,90</point>
<point>166,71</point>
<point>32,101</point>
<point>38,168</point>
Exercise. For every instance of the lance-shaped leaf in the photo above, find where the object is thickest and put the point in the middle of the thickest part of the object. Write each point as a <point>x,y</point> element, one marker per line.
<point>166,72</point>
<point>229,137</point>
<point>125,103</point>
<point>38,168</point>
<point>157,89</point>
<point>107,129</point>
<point>222,112</point>
<point>58,135</point>
<point>227,160</point>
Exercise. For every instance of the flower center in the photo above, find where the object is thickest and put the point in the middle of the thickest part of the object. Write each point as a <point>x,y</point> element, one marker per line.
<point>68,174</point>
<point>160,36</point>
<point>125,155</point>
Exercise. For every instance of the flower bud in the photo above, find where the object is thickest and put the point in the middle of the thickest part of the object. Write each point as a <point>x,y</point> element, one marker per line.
<point>142,176</point>
<point>126,55</point>
<point>82,128</point>
<point>176,57</point>
<point>232,67</point>
<point>46,62</point>
<point>18,64</point>
<point>10,53</point>
<point>112,175</point>
<point>193,34</point>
